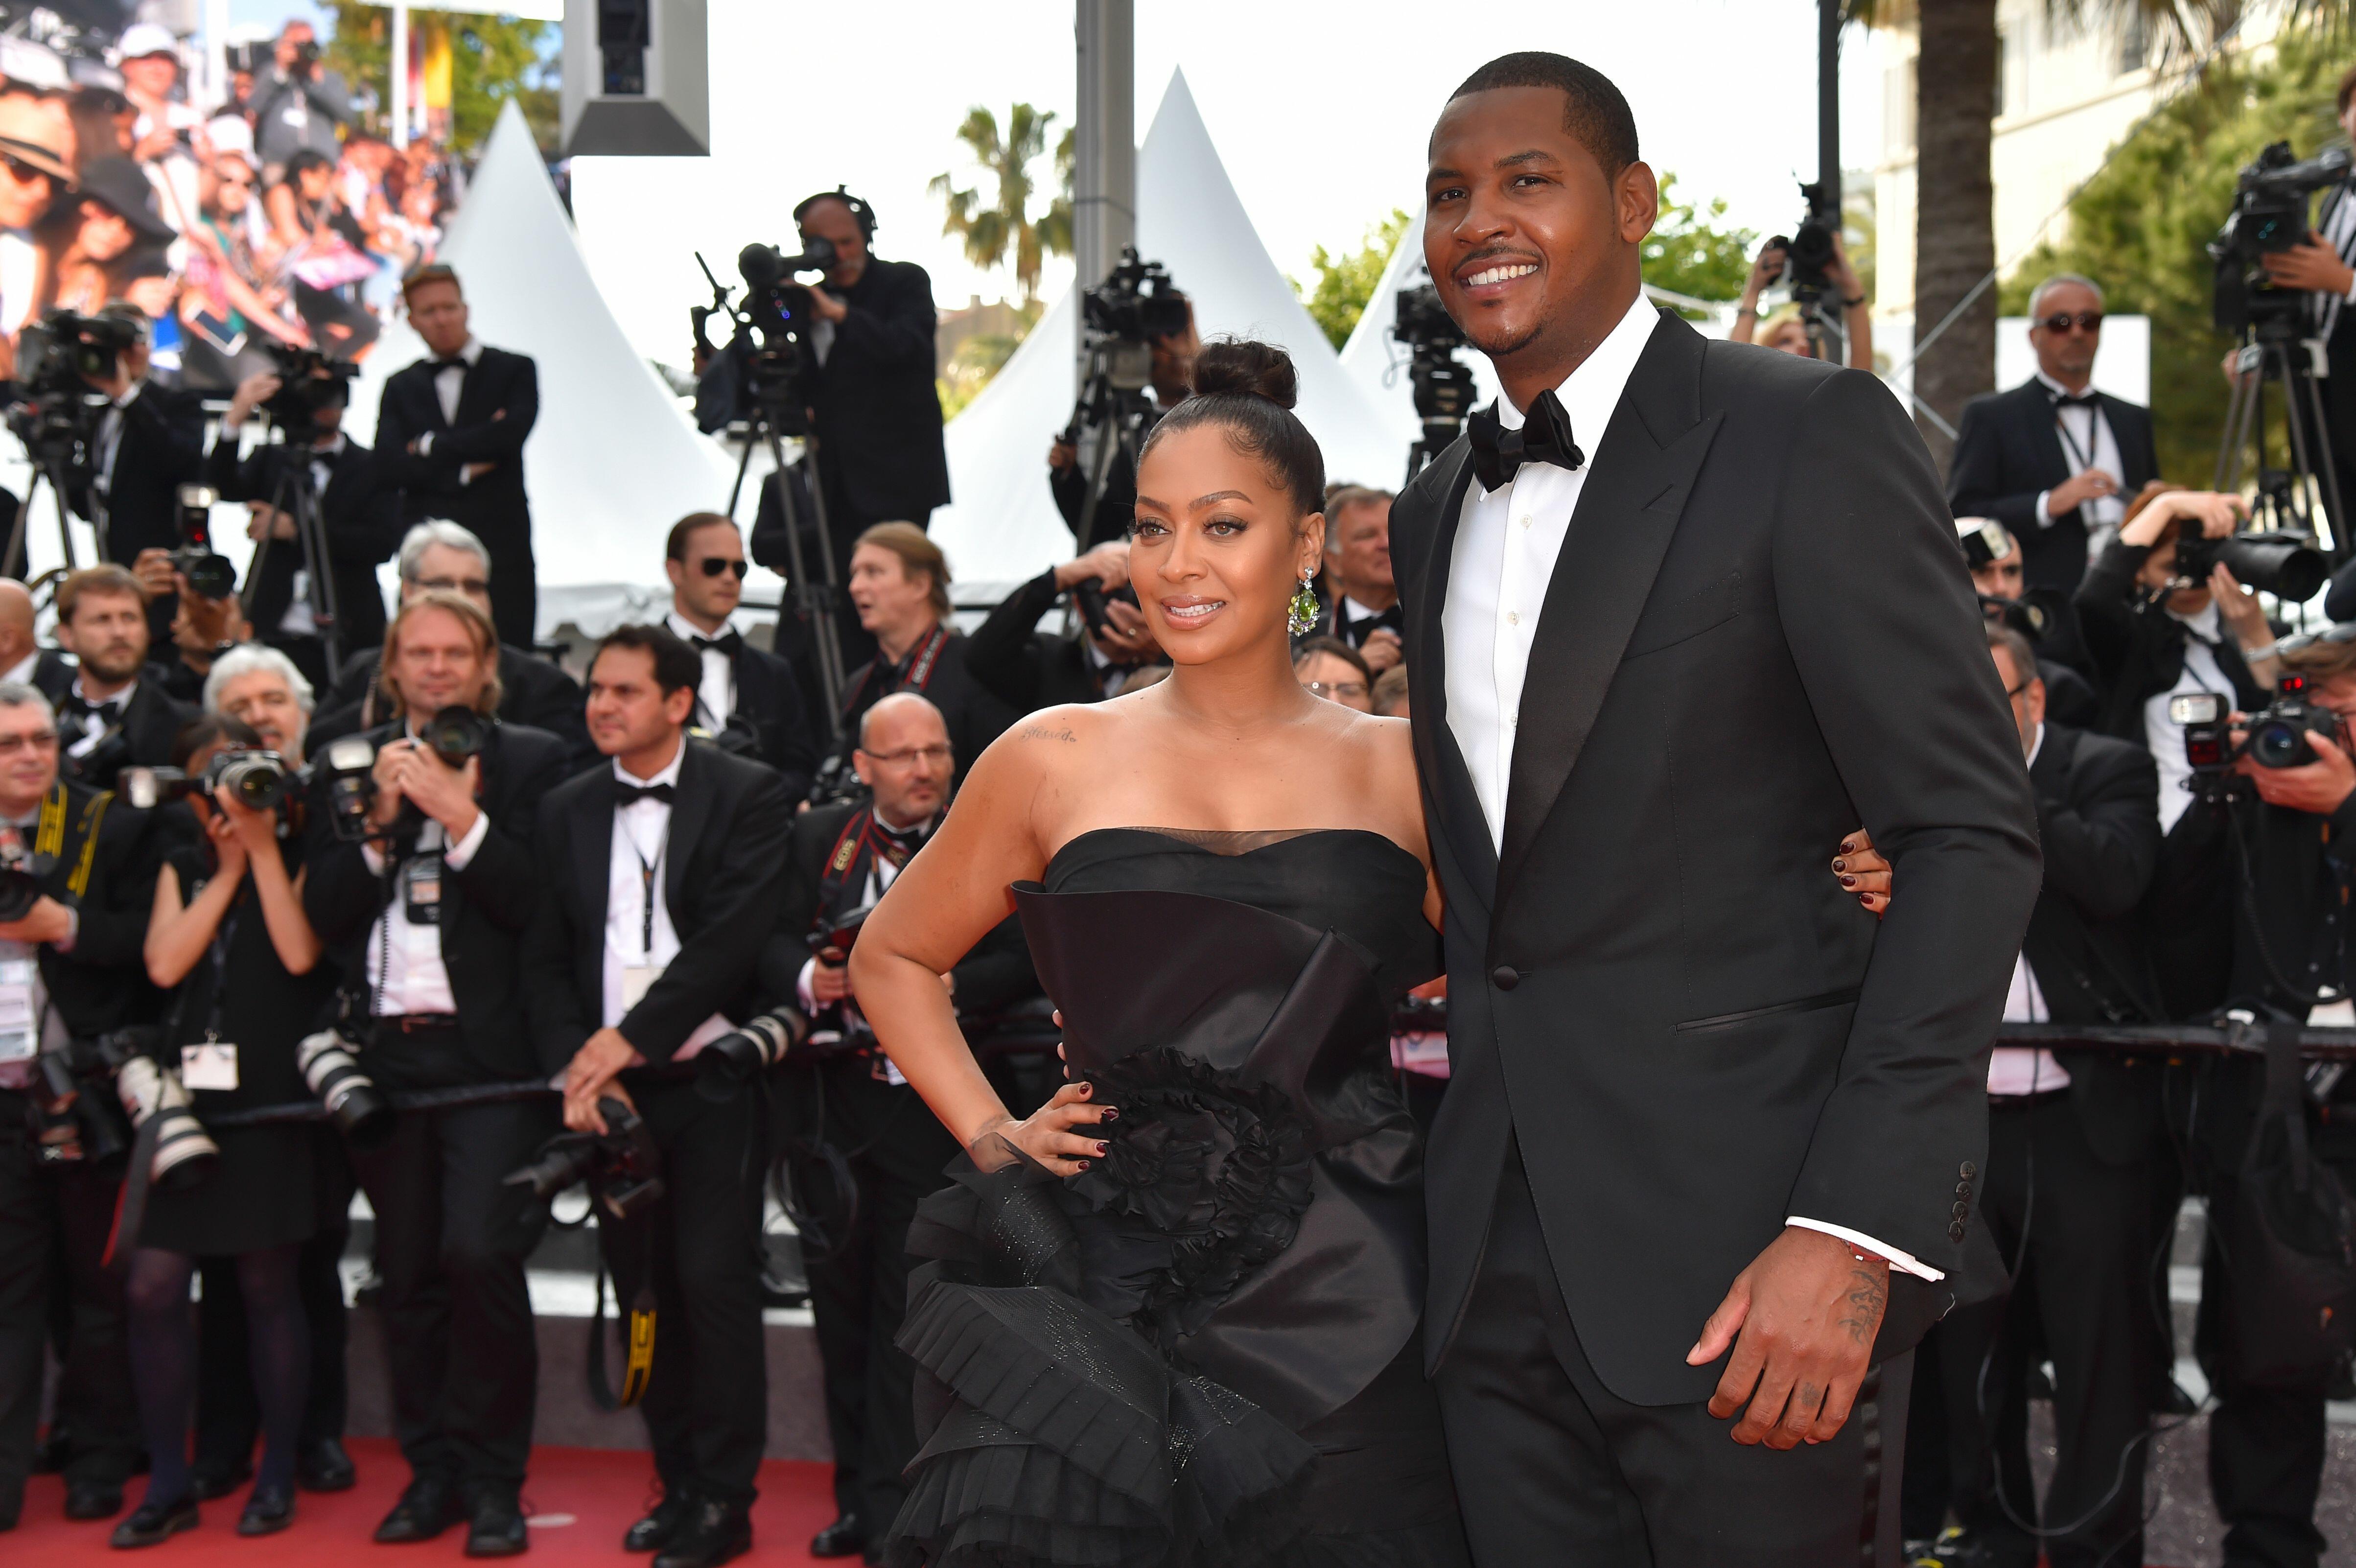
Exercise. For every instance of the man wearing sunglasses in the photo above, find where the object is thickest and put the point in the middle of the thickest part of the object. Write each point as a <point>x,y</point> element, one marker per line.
<point>743,690</point>
<point>2054,460</point>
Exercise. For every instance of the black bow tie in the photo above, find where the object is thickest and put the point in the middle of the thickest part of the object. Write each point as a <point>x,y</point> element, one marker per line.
<point>898,843</point>
<point>1544,438</point>
<point>631,794</point>
<point>82,707</point>
<point>441,365</point>
<point>2077,399</point>
<point>728,644</point>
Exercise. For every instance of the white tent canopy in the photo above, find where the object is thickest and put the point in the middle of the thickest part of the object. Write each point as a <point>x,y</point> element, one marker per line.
<point>1001,526</point>
<point>613,461</point>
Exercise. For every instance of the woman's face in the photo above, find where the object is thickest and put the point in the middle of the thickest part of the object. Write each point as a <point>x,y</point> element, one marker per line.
<point>104,234</point>
<point>2158,570</point>
<point>314,182</point>
<point>1217,551</point>
<point>1791,338</point>
<point>1337,680</point>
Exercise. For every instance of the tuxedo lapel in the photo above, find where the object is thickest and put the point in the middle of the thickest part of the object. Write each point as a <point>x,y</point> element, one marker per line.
<point>1627,512</point>
<point>1425,643</point>
<point>2045,432</point>
<point>474,390</point>
<point>692,803</point>
<point>593,858</point>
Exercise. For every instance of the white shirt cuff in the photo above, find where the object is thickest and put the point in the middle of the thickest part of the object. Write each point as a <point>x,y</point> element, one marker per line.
<point>802,986</point>
<point>425,445</point>
<point>373,858</point>
<point>2044,518</point>
<point>2351,292</point>
<point>1905,1263</point>
<point>456,856</point>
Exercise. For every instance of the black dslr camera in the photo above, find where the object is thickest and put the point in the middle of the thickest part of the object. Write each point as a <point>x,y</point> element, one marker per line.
<point>2275,736</point>
<point>1096,604</point>
<point>308,381</point>
<point>1135,304</point>
<point>726,1065</point>
<point>76,1117</point>
<point>455,734</point>
<point>2269,215</point>
<point>21,874</point>
<point>211,575</point>
<point>1808,253</point>
<point>56,414</point>
<point>254,779</point>
<point>1440,383</point>
<point>621,1165</point>
<point>2281,562</point>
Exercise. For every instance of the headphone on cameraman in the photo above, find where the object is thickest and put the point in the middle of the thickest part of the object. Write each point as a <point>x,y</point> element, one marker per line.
<point>862,214</point>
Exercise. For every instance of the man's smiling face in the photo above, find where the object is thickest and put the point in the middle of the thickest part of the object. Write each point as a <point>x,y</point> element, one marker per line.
<point>1521,224</point>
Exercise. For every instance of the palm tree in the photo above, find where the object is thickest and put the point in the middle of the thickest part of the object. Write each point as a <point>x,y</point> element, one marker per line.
<point>999,231</point>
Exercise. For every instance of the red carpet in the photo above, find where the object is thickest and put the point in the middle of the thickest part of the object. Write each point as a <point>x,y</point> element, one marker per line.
<point>580,1499</point>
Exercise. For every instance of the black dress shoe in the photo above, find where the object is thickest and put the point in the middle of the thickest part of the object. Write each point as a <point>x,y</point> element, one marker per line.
<point>153,1522</point>
<point>715,1532</point>
<point>322,1466</point>
<point>205,1483</point>
<point>427,1509</point>
<point>495,1529</point>
<point>660,1527</point>
<point>846,1537</point>
<point>93,1499</point>
<point>268,1511</point>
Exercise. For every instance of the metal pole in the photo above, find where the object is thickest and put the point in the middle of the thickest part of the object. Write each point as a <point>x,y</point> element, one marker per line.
<point>399,73</point>
<point>1828,159</point>
<point>216,51</point>
<point>1104,162</point>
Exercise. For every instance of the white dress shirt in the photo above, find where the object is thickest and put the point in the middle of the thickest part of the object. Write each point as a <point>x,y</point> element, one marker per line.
<point>447,386</point>
<point>715,697</point>
<point>106,714</point>
<point>2019,1070</point>
<point>2086,443</point>
<point>22,672</point>
<point>641,836</point>
<point>405,970</point>
<point>2163,738</point>
<point>1499,569</point>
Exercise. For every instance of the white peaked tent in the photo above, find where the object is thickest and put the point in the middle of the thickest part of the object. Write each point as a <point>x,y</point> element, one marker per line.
<point>613,460</point>
<point>1002,526</point>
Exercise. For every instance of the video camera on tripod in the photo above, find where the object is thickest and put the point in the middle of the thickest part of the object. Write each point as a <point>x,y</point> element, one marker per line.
<point>309,381</point>
<point>1441,383</point>
<point>1810,252</point>
<point>1122,318</point>
<point>2270,209</point>
<point>56,412</point>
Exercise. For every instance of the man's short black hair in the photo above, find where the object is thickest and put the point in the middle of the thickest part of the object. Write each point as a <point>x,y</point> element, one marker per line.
<point>677,667</point>
<point>1593,110</point>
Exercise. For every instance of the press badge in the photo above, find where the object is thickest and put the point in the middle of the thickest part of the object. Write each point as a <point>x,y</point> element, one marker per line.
<point>421,890</point>
<point>210,1064</point>
<point>18,1038</point>
<point>638,979</point>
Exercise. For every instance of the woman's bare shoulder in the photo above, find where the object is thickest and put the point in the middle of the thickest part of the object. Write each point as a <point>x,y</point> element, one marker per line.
<point>1382,753</point>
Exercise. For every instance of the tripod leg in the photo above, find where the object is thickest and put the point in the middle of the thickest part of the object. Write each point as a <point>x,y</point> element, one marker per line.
<point>2302,465</point>
<point>318,560</point>
<point>830,644</point>
<point>816,603</point>
<point>14,563</point>
<point>2327,473</point>
<point>737,490</point>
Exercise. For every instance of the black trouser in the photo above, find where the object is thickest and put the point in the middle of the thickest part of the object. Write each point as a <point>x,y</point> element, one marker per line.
<point>859,1291</point>
<point>228,1419</point>
<point>2076,1233</point>
<point>707,1405</point>
<point>54,1226</point>
<point>1551,1467</point>
<point>451,1241</point>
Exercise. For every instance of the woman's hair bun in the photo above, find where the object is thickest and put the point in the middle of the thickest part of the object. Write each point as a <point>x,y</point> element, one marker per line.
<point>1242,365</point>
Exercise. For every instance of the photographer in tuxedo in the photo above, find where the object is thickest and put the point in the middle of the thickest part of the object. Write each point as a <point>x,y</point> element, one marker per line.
<point>741,688</point>
<point>659,878</point>
<point>450,432</point>
<point>358,507</point>
<point>1710,1146</point>
<point>873,402</point>
<point>71,967</point>
<point>111,708</point>
<point>427,919</point>
<point>1028,669</point>
<point>149,442</point>
<point>843,1094</point>
<point>2054,460</point>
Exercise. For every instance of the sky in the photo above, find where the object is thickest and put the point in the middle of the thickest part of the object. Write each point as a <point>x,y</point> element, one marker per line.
<point>1319,112</point>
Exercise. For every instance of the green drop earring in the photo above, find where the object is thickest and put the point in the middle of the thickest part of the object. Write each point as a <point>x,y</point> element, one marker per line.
<point>1302,613</point>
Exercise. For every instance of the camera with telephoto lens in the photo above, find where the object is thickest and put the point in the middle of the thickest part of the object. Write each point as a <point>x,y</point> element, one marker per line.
<point>308,381</point>
<point>725,1065</point>
<point>1809,255</point>
<point>2269,216</point>
<point>2281,562</point>
<point>211,575</point>
<point>75,1116</point>
<point>334,1075</point>
<point>255,779</point>
<point>184,1153</point>
<point>621,1165</point>
<point>2275,736</point>
<point>21,874</point>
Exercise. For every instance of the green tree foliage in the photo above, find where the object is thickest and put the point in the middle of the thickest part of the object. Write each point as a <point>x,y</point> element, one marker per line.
<point>2139,227</point>
<point>998,227</point>
<point>492,59</point>
<point>1690,252</point>
<point>1346,282</point>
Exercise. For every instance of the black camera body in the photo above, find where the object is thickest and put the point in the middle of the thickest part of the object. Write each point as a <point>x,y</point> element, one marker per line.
<point>1440,383</point>
<point>21,873</point>
<point>621,1165</point>
<point>1096,604</point>
<point>2281,562</point>
<point>56,412</point>
<point>77,1118</point>
<point>2269,215</point>
<point>1137,303</point>
<point>1808,250</point>
<point>255,779</point>
<point>836,782</point>
<point>347,763</point>
<point>308,381</point>
<point>210,575</point>
<point>725,1065</point>
<point>455,735</point>
<point>2278,733</point>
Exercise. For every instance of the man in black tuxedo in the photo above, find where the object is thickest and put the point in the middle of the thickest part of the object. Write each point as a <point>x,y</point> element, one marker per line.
<point>451,431</point>
<point>442,558</point>
<point>2325,266</point>
<point>1703,1141</point>
<point>1028,669</point>
<point>626,987</point>
<point>111,708</point>
<point>149,441</point>
<point>359,511</point>
<point>428,920</point>
<point>82,939</point>
<point>843,1094</point>
<point>899,584</point>
<point>747,695</point>
<point>874,404</point>
<point>1362,596</point>
<point>2054,460</point>
<point>2068,1194</point>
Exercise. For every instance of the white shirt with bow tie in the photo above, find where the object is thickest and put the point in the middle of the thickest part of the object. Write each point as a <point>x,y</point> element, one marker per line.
<point>715,698</point>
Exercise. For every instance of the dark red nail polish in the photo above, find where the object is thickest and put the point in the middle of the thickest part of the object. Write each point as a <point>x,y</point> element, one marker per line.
<point>1087,1090</point>
<point>1839,864</point>
<point>1083,1165</point>
<point>1111,1113</point>
<point>1848,881</point>
<point>1104,1148</point>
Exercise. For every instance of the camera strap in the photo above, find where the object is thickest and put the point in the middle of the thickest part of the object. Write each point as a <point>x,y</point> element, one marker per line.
<point>639,1356</point>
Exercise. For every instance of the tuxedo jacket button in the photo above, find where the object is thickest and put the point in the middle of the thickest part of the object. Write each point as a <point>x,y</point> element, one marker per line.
<point>1506,976</point>
<point>1961,1210</point>
<point>1963,1189</point>
<point>1955,1231</point>
<point>1967,1170</point>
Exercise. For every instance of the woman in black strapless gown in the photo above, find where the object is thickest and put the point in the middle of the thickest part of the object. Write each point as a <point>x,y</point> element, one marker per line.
<point>1170,1318</point>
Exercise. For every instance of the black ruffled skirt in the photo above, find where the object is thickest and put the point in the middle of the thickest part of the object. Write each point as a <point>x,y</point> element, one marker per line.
<point>1057,1435</point>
